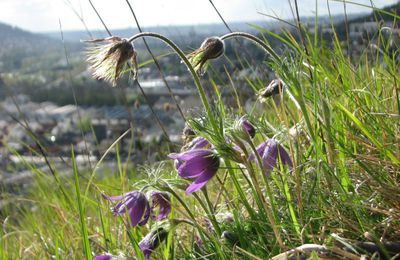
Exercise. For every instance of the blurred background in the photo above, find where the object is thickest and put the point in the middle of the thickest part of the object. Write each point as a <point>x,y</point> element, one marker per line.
<point>48,96</point>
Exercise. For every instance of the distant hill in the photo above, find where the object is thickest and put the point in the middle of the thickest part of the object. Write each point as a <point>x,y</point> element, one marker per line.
<point>17,44</point>
<point>176,32</point>
<point>185,33</point>
<point>375,15</point>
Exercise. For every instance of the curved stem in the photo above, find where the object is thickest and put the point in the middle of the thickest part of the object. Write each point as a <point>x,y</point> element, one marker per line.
<point>156,63</point>
<point>188,65</point>
<point>254,39</point>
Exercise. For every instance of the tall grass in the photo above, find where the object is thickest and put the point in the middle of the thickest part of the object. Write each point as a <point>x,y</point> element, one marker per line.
<point>337,117</point>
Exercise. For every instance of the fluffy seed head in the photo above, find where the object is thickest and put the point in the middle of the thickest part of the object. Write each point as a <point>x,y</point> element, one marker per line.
<point>109,56</point>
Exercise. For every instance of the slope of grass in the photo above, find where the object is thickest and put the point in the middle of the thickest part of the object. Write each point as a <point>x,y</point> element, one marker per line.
<point>337,118</point>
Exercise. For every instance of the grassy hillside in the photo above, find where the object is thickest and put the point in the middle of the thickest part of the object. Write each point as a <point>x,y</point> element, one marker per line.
<point>313,164</point>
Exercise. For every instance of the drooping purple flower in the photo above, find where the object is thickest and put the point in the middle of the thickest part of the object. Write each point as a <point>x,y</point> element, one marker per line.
<point>201,164</point>
<point>152,240</point>
<point>248,127</point>
<point>162,200</point>
<point>270,152</point>
<point>199,242</point>
<point>137,205</point>
<point>197,143</point>
<point>105,257</point>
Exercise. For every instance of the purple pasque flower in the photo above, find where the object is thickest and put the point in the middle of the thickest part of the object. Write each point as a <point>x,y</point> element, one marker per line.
<point>201,164</point>
<point>105,257</point>
<point>270,152</point>
<point>152,240</point>
<point>137,205</point>
<point>162,200</point>
<point>248,127</point>
<point>198,142</point>
<point>199,242</point>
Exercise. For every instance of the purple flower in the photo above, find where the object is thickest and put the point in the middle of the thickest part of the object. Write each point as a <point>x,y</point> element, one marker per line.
<point>197,143</point>
<point>137,205</point>
<point>104,257</point>
<point>162,200</point>
<point>199,242</point>
<point>270,152</point>
<point>188,131</point>
<point>249,128</point>
<point>152,240</point>
<point>201,164</point>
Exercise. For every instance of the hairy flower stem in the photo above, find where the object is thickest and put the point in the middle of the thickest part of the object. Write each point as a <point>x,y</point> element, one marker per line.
<point>202,232</point>
<point>196,78</point>
<point>270,211</point>
<point>254,39</point>
<point>275,56</point>
<point>243,198</point>
<point>211,210</point>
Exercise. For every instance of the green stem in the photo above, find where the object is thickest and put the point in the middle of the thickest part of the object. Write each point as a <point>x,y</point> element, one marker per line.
<point>185,60</point>
<point>254,39</point>
<point>270,51</point>
<point>210,212</point>
<point>202,232</point>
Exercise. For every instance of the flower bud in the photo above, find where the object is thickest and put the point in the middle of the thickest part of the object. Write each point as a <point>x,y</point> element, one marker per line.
<point>230,237</point>
<point>211,48</point>
<point>248,127</point>
<point>152,240</point>
<point>274,88</point>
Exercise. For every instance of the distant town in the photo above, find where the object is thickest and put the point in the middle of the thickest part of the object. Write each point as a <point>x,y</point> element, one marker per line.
<point>37,84</point>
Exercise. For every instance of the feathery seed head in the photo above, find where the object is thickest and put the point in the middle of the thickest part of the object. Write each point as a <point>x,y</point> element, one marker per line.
<point>109,56</point>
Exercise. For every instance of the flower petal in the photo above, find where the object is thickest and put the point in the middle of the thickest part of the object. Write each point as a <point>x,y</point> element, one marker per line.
<point>104,257</point>
<point>198,142</point>
<point>194,167</point>
<point>202,180</point>
<point>188,155</point>
<point>162,200</point>
<point>136,215</point>
<point>285,158</point>
<point>260,150</point>
<point>138,210</point>
<point>147,214</point>
<point>124,204</point>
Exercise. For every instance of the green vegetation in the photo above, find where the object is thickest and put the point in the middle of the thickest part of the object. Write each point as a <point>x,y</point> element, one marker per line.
<point>337,118</point>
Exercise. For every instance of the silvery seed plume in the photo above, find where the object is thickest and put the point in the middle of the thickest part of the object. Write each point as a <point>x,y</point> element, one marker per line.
<point>109,56</point>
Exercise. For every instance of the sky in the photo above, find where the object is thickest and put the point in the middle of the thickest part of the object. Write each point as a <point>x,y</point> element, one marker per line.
<point>44,15</point>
